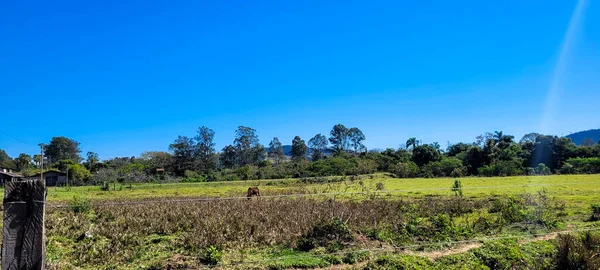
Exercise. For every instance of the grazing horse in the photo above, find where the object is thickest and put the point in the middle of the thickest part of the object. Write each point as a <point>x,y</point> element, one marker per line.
<point>253,191</point>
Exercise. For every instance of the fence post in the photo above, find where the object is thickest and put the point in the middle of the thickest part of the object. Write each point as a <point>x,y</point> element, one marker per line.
<point>23,244</point>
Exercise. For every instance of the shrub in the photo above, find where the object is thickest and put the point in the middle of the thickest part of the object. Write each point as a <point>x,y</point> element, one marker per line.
<point>595,212</point>
<point>578,251</point>
<point>542,169</point>
<point>510,209</point>
<point>457,188</point>
<point>405,169</point>
<point>585,165</point>
<point>80,205</point>
<point>211,255</point>
<point>354,257</point>
<point>326,234</point>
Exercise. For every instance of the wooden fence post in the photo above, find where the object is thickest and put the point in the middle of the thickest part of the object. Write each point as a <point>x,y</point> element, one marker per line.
<point>23,240</point>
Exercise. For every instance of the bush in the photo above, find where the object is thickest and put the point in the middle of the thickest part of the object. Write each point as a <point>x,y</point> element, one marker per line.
<point>405,169</point>
<point>211,255</point>
<point>542,169</point>
<point>585,165</point>
<point>595,212</point>
<point>327,234</point>
<point>578,251</point>
<point>510,209</point>
<point>354,257</point>
<point>80,205</point>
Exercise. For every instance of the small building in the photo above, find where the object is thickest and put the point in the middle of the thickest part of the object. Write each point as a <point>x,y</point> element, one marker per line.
<point>8,175</point>
<point>53,178</point>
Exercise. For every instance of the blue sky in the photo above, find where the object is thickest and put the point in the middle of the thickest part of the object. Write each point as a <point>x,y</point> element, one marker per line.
<point>123,77</point>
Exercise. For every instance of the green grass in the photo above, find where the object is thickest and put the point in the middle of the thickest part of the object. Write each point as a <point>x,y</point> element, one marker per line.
<point>577,190</point>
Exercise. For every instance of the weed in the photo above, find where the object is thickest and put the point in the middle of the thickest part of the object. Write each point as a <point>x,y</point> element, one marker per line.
<point>80,205</point>
<point>211,255</point>
<point>595,212</point>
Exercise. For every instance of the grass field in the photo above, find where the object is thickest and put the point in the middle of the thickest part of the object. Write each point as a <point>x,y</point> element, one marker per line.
<point>579,191</point>
<point>366,212</point>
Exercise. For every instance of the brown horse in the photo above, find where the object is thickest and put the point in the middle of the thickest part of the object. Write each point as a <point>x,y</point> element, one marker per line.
<point>253,191</point>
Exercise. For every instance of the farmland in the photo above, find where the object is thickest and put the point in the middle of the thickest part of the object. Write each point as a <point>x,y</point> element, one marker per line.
<point>368,221</point>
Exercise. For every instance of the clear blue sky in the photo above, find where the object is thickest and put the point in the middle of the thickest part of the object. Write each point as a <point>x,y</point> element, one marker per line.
<point>123,77</point>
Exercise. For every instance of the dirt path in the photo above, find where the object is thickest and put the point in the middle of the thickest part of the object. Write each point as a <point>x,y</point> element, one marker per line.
<point>432,255</point>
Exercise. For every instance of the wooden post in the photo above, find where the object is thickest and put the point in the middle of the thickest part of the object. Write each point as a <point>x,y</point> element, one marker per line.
<point>23,244</point>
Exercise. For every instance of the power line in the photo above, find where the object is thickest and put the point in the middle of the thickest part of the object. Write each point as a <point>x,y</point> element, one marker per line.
<point>15,138</point>
<point>298,195</point>
<point>401,248</point>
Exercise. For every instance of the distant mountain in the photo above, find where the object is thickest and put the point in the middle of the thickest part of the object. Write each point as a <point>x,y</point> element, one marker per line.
<point>578,137</point>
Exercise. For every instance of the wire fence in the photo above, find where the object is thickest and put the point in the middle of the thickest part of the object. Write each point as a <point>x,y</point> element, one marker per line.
<point>299,195</point>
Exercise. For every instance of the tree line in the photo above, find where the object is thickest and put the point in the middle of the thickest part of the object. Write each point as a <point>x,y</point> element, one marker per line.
<point>341,153</point>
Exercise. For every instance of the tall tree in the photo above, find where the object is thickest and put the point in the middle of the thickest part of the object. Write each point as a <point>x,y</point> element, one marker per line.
<point>183,149</point>
<point>227,157</point>
<point>529,137</point>
<point>23,162</point>
<point>248,148</point>
<point>205,149</point>
<point>91,161</point>
<point>356,137</point>
<point>339,138</point>
<point>276,150</point>
<point>6,162</point>
<point>62,148</point>
<point>412,142</point>
<point>317,144</point>
<point>298,148</point>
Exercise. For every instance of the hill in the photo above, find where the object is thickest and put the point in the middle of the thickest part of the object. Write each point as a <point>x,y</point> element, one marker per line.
<point>578,137</point>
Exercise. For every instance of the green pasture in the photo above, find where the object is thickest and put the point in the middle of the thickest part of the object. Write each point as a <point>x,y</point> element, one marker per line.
<point>578,191</point>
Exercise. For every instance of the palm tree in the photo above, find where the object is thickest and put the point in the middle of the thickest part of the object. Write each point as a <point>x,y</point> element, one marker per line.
<point>412,142</point>
<point>498,136</point>
<point>436,145</point>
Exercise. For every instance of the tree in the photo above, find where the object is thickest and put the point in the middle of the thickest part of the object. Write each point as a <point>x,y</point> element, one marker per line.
<point>317,144</point>
<point>456,149</point>
<point>62,148</point>
<point>298,148</point>
<point>436,145</point>
<point>249,150</point>
<point>339,138</point>
<point>156,160</point>
<point>587,142</point>
<point>530,137</point>
<point>356,137</point>
<point>228,157</point>
<point>23,162</point>
<point>91,161</point>
<point>412,142</point>
<point>424,154</point>
<point>205,149</point>
<point>78,173</point>
<point>6,162</point>
<point>183,150</point>
<point>276,150</point>
<point>37,159</point>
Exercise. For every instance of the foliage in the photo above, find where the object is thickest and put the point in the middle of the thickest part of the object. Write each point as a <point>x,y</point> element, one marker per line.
<point>211,255</point>
<point>62,148</point>
<point>578,251</point>
<point>299,149</point>
<point>276,151</point>
<point>78,173</point>
<point>80,205</point>
<point>324,234</point>
<point>318,144</point>
<point>595,212</point>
